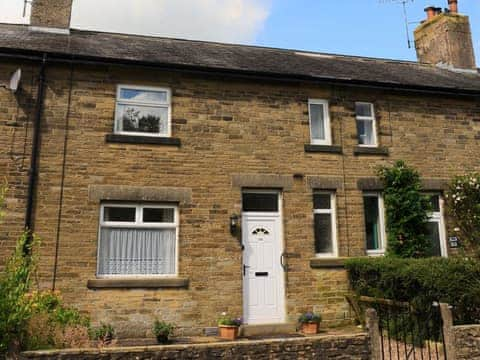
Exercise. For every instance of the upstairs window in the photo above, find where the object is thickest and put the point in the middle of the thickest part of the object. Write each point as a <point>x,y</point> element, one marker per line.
<point>366,124</point>
<point>325,224</point>
<point>137,240</point>
<point>143,111</point>
<point>319,122</point>
<point>374,223</point>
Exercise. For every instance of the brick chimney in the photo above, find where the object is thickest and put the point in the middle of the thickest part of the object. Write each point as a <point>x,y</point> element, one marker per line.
<point>51,15</point>
<point>445,39</point>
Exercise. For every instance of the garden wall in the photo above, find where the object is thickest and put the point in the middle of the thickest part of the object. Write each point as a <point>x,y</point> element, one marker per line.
<point>355,347</point>
<point>467,342</point>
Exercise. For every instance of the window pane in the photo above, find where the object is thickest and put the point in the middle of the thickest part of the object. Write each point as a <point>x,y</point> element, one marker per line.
<point>260,202</point>
<point>144,119</point>
<point>155,215</point>
<point>317,121</point>
<point>137,251</point>
<point>365,132</point>
<point>143,95</point>
<point>372,222</point>
<point>433,233</point>
<point>322,201</point>
<point>362,109</point>
<point>120,214</point>
<point>434,202</point>
<point>323,233</point>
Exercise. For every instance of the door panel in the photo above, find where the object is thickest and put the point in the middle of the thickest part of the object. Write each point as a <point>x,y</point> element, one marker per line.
<point>263,278</point>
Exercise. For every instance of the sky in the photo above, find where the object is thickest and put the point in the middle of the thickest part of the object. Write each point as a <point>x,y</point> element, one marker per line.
<point>374,28</point>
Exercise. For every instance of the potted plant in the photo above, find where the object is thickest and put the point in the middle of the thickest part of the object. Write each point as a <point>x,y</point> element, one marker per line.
<point>228,327</point>
<point>310,323</point>
<point>162,331</point>
<point>104,334</point>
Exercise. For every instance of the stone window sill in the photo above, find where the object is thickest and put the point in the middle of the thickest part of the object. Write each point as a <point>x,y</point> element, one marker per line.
<point>327,263</point>
<point>364,150</point>
<point>150,283</point>
<point>332,149</point>
<point>148,140</point>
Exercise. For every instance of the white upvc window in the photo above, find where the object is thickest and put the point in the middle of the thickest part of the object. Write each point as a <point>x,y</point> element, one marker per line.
<point>143,111</point>
<point>374,214</point>
<point>320,132</point>
<point>366,124</point>
<point>325,224</point>
<point>137,240</point>
<point>436,226</point>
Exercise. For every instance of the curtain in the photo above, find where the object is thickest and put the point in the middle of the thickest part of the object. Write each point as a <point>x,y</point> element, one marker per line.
<point>137,251</point>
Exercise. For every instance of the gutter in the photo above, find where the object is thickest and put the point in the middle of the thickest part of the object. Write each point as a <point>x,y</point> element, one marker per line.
<point>36,56</point>
<point>33,171</point>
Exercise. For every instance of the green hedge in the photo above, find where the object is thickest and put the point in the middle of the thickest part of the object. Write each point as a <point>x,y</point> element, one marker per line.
<point>421,282</point>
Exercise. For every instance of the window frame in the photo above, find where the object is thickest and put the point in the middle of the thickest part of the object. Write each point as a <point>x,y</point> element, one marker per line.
<point>333,215</point>
<point>326,116</point>
<point>139,224</point>
<point>167,105</point>
<point>438,217</point>
<point>381,223</point>
<point>371,118</point>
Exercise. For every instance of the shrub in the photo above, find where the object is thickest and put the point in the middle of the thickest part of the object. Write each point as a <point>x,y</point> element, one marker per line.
<point>463,208</point>
<point>162,331</point>
<point>103,334</point>
<point>15,306</point>
<point>406,212</point>
<point>309,317</point>
<point>421,282</point>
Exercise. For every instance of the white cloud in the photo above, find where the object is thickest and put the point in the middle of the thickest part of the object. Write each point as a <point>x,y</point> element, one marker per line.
<point>11,11</point>
<point>216,20</point>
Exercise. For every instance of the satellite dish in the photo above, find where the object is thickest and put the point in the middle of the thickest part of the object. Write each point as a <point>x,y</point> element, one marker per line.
<point>15,80</point>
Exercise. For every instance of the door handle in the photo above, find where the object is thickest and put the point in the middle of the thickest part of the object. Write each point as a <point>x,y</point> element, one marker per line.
<point>245,267</point>
<point>282,262</point>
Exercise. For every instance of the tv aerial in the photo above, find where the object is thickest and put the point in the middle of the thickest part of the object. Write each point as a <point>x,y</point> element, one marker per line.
<point>405,16</point>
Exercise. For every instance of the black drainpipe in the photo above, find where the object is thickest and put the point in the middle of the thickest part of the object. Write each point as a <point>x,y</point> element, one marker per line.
<point>33,171</point>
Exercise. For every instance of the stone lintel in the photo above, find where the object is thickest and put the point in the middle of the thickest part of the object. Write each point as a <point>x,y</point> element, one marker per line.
<point>325,182</point>
<point>267,181</point>
<point>97,193</point>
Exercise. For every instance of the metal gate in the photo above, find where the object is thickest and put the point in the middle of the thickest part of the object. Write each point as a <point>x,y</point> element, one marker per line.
<point>406,332</point>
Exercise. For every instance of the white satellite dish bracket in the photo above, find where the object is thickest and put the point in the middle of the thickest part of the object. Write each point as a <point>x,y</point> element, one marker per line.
<point>14,82</point>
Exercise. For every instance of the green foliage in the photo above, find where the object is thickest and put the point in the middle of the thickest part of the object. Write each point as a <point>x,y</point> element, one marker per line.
<point>463,208</point>
<point>406,212</point>
<point>421,282</point>
<point>227,320</point>
<point>103,332</point>
<point>310,317</point>
<point>163,330</point>
<point>15,306</point>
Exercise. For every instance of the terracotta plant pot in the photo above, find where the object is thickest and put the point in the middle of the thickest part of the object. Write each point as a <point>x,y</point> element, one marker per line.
<point>310,328</point>
<point>162,339</point>
<point>228,332</point>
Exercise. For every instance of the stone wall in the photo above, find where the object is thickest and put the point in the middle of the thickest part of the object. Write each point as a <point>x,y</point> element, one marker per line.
<point>51,13</point>
<point>467,341</point>
<point>339,347</point>
<point>228,128</point>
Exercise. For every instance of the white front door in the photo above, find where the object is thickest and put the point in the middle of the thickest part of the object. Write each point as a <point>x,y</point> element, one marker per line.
<point>263,274</point>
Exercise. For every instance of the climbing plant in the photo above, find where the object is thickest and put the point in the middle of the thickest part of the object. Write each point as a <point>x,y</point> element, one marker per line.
<point>406,212</point>
<point>463,210</point>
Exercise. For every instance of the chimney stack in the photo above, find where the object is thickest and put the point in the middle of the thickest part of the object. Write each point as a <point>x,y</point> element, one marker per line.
<point>51,15</point>
<point>445,39</point>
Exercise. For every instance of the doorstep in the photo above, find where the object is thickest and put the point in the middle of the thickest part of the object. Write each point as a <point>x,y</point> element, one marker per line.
<point>268,329</point>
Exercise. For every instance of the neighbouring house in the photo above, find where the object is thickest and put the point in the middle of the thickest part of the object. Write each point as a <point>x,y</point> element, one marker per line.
<point>178,179</point>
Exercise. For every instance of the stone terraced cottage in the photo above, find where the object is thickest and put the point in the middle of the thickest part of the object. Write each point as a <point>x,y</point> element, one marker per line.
<point>179,179</point>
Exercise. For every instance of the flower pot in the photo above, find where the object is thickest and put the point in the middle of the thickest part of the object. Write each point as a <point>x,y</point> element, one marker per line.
<point>162,339</point>
<point>228,332</point>
<point>310,328</point>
